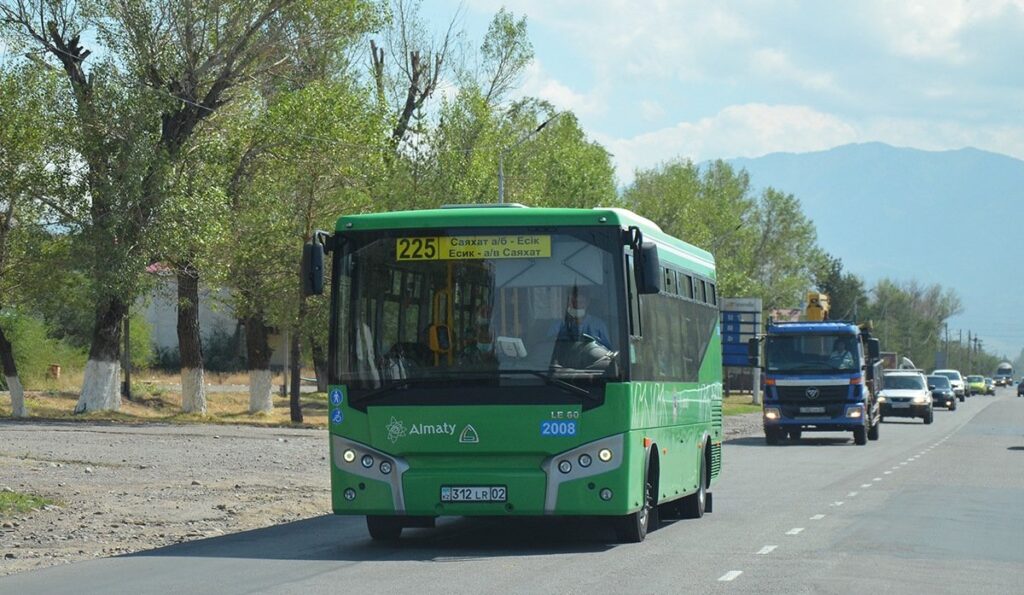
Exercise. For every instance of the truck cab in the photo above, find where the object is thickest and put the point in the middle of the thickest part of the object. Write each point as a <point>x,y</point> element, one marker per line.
<point>820,376</point>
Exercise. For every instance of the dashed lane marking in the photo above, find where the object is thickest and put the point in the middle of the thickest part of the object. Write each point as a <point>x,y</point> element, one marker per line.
<point>766,550</point>
<point>887,472</point>
<point>865,485</point>
<point>730,576</point>
<point>837,503</point>
<point>817,517</point>
<point>877,479</point>
<point>794,531</point>
<point>852,495</point>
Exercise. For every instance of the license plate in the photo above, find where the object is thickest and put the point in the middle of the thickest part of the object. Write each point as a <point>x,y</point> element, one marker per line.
<point>812,410</point>
<point>901,405</point>
<point>474,493</point>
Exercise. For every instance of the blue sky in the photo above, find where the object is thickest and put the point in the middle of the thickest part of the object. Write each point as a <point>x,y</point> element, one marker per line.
<point>659,80</point>
<point>655,80</point>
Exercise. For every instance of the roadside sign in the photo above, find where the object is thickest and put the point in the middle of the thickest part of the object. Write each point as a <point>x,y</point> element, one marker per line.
<point>741,321</point>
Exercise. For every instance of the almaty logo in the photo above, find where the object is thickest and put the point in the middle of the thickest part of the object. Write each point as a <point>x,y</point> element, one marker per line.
<point>469,435</point>
<point>396,430</point>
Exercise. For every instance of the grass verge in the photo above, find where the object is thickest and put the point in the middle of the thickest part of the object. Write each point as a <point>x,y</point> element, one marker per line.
<point>739,404</point>
<point>12,503</point>
<point>165,407</point>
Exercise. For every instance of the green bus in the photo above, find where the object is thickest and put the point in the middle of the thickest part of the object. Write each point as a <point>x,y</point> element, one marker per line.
<point>507,360</point>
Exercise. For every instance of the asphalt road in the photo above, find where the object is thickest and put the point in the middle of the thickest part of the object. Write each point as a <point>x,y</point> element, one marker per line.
<point>926,509</point>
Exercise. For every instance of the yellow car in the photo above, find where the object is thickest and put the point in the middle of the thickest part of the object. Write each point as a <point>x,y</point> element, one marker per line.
<point>976,385</point>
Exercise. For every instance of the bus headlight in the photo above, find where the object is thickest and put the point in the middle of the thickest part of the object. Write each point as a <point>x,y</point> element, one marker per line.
<point>605,494</point>
<point>349,455</point>
<point>605,454</point>
<point>385,467</point>
<point>585,460</point>
<point>565,466</point>
<point>367,461</point>
<point>350,494</point>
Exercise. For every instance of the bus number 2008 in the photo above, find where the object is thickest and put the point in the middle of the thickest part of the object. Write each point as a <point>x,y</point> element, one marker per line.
<point>558,428</point>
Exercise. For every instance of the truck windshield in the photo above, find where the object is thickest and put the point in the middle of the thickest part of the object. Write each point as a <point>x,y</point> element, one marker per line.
<point>813,353</point>
<point>453,308</point>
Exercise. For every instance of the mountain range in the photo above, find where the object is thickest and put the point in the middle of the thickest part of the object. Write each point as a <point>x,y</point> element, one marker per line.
<point>949,217</point>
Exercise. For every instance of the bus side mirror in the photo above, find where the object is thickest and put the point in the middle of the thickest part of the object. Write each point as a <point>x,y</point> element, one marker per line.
<point>312,271</point>
<point>754,352</point>
<point>649,280</point>
<point>874,349</point>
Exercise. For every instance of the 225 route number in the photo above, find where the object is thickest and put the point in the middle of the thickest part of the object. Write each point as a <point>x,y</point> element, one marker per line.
<point>416,249</point>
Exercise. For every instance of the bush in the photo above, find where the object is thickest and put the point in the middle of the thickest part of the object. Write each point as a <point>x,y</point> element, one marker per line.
<point>35,350</point>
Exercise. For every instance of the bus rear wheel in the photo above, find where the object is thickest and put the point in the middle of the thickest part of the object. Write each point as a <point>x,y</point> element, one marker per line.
<point>384,528</point>
<point>694,505</point>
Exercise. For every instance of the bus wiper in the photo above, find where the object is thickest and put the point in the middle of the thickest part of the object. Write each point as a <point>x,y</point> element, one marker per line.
<point>548,378</point>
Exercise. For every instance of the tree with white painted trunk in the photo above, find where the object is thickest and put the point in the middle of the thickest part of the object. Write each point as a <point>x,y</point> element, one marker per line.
<point>166,67</point>
<point>29,166</point>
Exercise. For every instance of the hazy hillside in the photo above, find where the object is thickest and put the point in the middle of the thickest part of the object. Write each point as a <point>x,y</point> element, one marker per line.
<point>955,217</point>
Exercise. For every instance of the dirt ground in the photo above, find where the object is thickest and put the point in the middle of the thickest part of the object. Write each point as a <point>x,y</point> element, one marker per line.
<point>122,488</point>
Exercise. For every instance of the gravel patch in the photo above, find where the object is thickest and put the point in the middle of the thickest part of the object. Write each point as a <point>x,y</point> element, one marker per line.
<point>121,489</point>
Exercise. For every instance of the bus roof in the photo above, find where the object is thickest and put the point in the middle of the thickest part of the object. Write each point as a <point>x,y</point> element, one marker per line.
<point>810,327</point>
<point>516,215</point>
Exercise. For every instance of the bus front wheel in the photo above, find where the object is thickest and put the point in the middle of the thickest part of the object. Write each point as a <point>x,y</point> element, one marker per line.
<point>633,528</point>
<point>384,528</point>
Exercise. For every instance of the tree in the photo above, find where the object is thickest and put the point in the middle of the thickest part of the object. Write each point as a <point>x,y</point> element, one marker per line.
<point>167,67</point>
<point>847,297</point>
<point>31,164</point>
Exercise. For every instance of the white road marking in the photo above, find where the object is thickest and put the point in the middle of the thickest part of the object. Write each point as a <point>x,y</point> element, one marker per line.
<point>731,575</point>
<point>794,531</point>
<point>766,550</point>
<point>852,495</point>
<point>817,517</point>
<point>865,485</point>
<point>887,472</point>
<point>877,479</point>
<point>837,503</point>
<point>903,463</point>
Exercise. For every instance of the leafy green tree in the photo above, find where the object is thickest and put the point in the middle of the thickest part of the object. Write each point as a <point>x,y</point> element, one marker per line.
<point>909,318</point>
<point>167,66</point>
<point>31,163</point>
<point>847,296</point>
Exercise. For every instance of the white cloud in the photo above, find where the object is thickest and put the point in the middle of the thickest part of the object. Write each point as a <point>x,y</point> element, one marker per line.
<point>651,110</point>
<point>933,29</point>
<point>538,83</point>
<point>749,130</point>
<point>777,65</point>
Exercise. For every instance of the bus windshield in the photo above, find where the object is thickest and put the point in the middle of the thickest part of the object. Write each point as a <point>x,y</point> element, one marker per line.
<point>812,353</point>
<point>444,308</point>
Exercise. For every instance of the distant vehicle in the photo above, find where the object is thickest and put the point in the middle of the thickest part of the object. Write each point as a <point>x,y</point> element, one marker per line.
<point>1004,374</point>
<point>905,394</point>
<point>1020,388</point>
<point>956,380</point>
<point>820,376</point>
<point>976,385</point>
<point>942,391</point>
<point>990,386</point>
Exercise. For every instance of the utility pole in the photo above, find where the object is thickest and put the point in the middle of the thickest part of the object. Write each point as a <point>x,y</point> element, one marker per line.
<point>501,155</point>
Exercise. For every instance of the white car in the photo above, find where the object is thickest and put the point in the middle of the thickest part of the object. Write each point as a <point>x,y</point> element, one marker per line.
<point>905,394</point>
<point>959,388</point>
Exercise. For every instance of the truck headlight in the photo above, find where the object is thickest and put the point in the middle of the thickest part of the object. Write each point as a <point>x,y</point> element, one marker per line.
<point>771,413</point>
<point>854,412</point>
